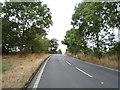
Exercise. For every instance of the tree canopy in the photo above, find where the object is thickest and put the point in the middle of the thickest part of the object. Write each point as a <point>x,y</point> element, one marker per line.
<point>93,28</point>
<point>53,45</point>
<point>25,26</point>
<point>59,51</point>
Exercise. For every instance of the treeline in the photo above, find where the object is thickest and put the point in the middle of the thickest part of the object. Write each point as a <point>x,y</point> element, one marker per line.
<point>93,31</point>
<point>25,26</point>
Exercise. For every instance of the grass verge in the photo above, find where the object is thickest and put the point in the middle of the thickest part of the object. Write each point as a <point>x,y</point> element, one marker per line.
<point>109,61</point>
<point>21,68</point>
<point>5,66</point>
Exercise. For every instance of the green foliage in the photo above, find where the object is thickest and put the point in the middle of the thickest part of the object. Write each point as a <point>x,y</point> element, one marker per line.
<point>5,66</point>
<point>93,28</point>
<point>9,35</point>
<point>24,27</point>
<point>53,45</point>
<point>59,51</point>
<point>115,50</point>
<point>40,45</point>
<point>73,41</point>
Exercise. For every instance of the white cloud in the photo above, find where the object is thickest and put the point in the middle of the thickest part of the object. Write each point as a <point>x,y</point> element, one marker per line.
<point>2,1</point>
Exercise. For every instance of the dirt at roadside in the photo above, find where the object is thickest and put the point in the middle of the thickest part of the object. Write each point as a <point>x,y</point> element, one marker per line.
<point>22,68</point>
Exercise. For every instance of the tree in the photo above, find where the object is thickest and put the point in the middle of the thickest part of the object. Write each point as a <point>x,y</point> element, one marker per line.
<point>94,23</point>
<point>59,51</point>
<point>9,35</point>
<point>53,45</point>
<point>73,41</point>
<point>23,22</point>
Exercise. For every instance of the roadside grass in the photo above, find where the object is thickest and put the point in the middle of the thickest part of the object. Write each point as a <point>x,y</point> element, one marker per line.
<point>5,66</point>
<point>109,61</point>
<point>18,68</point>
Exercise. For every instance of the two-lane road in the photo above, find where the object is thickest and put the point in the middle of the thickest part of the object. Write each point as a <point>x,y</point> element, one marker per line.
<point>61,71</point>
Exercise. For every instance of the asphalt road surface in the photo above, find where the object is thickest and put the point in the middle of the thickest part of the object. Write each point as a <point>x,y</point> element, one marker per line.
<point>61,71</point>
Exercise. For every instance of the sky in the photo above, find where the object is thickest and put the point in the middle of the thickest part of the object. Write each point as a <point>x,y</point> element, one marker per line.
<point>62,11</point>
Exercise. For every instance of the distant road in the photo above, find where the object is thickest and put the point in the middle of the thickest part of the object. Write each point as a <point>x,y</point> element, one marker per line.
<point>61,71</point>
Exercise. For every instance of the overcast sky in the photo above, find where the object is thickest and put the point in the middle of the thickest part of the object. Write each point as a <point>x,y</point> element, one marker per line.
<point>62,11</point>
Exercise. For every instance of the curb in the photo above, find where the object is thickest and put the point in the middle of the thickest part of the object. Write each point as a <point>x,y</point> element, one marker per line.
<point>33,75</point>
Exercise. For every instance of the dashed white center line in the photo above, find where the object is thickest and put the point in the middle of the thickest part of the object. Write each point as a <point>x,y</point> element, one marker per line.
<point>84,72</point>
<point>102,82</point>
<point>68,63</point>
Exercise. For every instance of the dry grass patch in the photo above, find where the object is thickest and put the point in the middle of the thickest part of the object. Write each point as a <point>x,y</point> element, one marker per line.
<point>109,61</point>
<point>22,68</point>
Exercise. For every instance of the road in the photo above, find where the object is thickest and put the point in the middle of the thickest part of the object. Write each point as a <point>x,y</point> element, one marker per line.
<point>61,71</point>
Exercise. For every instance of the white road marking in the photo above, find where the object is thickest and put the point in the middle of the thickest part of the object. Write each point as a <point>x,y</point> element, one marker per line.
<point>84,72</point>
<point>40,74</point>
<point>68,63</point>
<point>102,82</point>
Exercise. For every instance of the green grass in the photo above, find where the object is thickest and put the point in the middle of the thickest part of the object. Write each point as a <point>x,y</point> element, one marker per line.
<point>5,66</point>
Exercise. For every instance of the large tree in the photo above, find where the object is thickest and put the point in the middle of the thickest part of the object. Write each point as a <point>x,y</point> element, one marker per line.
<point>95,23</point>
<point>23,22</point>
<point>73,41</point>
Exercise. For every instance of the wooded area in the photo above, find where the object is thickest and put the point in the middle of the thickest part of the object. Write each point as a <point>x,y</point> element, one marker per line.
<point>25,26</point>
<point>93,31</point>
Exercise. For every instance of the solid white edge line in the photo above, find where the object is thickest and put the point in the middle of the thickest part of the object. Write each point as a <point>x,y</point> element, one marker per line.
<point>84,72</point>
<point>39,75</point>
<point>68,62</point>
